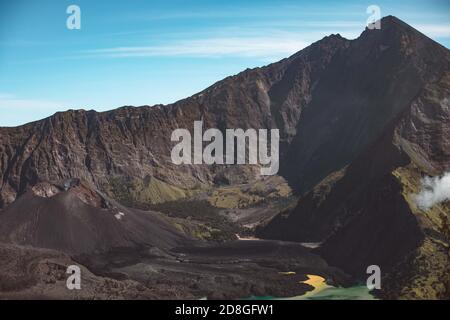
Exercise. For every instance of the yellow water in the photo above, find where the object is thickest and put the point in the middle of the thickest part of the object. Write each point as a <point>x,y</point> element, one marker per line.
<point>323,291</point>
<point>317,282</point>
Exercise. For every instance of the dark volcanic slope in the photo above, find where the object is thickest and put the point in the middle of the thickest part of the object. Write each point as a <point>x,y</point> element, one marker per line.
<point>329,100</point>
<point>364,88</point>
<point>419,138</point>
<point>80,220</point>
<point>365,213</point>
<point>360,213</point>
<point>32,273</point>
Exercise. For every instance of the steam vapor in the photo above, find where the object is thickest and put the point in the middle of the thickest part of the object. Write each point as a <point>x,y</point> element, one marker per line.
<point>434,190</point>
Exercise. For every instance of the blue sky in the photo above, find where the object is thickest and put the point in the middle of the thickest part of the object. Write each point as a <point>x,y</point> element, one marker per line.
<point>139,52</point>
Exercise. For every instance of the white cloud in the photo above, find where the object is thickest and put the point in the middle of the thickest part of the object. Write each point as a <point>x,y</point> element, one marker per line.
<point>10,101</point>
<point>16,111</point>
<point>258,47</point>
<point>265,41</point>
<point>434,190</point>
<point>434,30</point>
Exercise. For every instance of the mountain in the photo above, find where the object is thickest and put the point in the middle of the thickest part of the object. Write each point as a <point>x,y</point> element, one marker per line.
<point>74,219</point>
<point>361,122</point>
<point>365,213</point>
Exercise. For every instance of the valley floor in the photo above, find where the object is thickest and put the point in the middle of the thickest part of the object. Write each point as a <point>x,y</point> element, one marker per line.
<point>232,270</point>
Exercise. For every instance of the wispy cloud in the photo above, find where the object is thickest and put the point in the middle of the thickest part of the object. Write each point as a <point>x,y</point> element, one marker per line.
<point>244,12</point>
<point>434,30</point>
<point>257,47</point>
<point>16,111</point>
<point>12,102</point>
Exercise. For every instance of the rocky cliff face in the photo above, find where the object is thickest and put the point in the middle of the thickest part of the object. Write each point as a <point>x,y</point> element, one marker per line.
<point>132,145</point>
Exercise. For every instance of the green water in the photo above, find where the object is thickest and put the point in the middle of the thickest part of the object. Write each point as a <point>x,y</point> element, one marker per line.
<point>330,293</point>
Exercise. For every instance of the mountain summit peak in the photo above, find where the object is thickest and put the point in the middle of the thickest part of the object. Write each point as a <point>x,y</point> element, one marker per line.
<point>391,23</point>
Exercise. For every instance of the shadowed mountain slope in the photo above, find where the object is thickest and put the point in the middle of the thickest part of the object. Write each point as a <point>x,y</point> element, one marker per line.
<point>365,213</point>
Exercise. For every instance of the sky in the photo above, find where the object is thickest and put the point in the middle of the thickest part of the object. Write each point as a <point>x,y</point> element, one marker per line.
<point>136,52</point>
